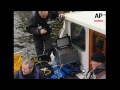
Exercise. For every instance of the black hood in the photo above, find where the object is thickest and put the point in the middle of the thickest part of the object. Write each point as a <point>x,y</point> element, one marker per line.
<point>34,13</point>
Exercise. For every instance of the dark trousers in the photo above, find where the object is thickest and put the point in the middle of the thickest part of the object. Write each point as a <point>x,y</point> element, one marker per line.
<point>39,46</point>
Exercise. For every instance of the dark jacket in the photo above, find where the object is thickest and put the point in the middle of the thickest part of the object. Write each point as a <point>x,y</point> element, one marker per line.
<point>36,74</point>
<point>36,23</point>
<point>98,73</point>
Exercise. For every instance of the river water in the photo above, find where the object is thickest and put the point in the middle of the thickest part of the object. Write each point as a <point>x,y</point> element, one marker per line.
<point>23,41</point>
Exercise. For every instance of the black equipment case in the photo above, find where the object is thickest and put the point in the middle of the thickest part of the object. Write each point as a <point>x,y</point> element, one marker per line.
<point>64,52</point>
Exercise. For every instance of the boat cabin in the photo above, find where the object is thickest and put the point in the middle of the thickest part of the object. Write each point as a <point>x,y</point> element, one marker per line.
<point>87,30</point>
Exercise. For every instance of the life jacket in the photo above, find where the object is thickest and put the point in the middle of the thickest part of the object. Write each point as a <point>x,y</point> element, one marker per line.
<point>36,74</point>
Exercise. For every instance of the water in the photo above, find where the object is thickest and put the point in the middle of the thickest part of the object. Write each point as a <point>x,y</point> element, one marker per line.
<point>23,41</point>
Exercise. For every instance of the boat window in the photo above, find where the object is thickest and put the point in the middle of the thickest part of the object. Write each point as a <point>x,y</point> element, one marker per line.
<point>78,35</point>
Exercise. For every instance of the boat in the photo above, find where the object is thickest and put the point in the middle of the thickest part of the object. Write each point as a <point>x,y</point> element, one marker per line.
<point>87,31</point>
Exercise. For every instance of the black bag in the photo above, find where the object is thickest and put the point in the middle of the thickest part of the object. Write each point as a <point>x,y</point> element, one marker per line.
<point>45,67</point>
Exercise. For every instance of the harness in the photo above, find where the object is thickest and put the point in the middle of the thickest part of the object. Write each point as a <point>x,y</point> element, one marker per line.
<point>101,74</point>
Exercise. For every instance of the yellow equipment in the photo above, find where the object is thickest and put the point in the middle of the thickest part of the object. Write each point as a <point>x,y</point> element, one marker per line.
<point>17,62</point>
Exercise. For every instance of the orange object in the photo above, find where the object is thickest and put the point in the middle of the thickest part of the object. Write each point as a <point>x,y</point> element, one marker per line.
<point>17,62</point>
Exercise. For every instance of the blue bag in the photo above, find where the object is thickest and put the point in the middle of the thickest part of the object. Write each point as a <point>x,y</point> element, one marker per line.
<point>57,73</point>
<point>70,68</point>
